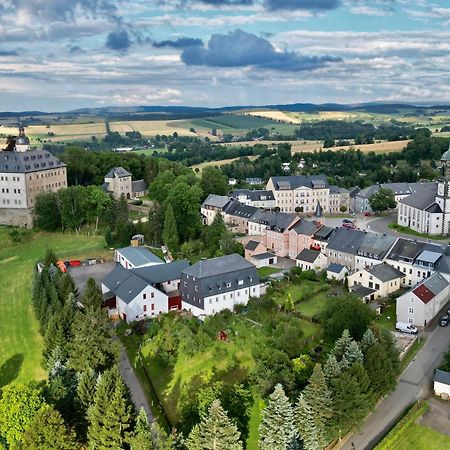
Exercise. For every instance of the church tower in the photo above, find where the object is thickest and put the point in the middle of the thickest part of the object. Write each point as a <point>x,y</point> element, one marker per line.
<point>443,190</point>
<point>22,141</point>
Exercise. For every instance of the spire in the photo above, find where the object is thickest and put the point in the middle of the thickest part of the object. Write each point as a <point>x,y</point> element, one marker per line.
<point>319,210</point>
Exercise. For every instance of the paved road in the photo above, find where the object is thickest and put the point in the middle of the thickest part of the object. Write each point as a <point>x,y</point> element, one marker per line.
<point>137,393</point>
<point>415,383</point>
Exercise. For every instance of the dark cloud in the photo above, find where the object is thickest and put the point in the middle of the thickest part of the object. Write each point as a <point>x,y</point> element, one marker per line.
<point>240,49</point>
<point>74,49</point>
<point>293,5</point>
<point>118,40</point>
<point>179,43</point>
<point>8,53</point>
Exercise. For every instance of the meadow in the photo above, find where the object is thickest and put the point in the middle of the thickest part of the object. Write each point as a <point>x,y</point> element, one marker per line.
<point>20,342</point>
<point>222,162</point>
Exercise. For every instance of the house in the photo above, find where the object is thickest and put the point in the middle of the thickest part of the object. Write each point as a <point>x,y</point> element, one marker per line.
<point>344,245</point>
<point>301,235</point>
<point>212,205</point>
<point>277,227</point>
<point>424,301</point>
<point>321,238</point>
<point>24,174</point>
<point>441,383</point>
<point>253,181</point>
<point>309,259</point>
<point>253,248</point>
<point>263,259</point>
<point>336,272</point>
<point>232,181</point>
<point>133,257</point>
<point>258,198</point>
<point>373,249</point>
<point>363,292</point>
<point>383,278</point>
<point>339,198</point>
<point>138,188</point>
<point>134,294</point>
<point>213,285</point>
<point>238,215</point>
<point>118,182</point>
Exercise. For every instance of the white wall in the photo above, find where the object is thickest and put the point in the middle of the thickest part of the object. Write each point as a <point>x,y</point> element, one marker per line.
<point>441,388</point>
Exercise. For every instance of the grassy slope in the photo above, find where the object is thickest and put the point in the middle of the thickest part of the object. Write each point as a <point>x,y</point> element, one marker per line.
<point>20,342</point>
<point>418,437</point>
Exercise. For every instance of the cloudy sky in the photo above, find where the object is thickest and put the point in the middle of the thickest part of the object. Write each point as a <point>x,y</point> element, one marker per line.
<point>57,55</point>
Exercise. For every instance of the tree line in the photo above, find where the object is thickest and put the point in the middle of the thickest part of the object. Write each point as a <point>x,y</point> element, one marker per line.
<point>84,402</point>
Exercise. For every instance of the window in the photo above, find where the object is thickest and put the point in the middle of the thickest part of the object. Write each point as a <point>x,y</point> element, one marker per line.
<point>240,282</point>
<point>145,308</point>
<point>412,300</point>
<point>153,307</point>
<point>411,310</point>
<point>228,285</point>
<point>144,296</point>
<point>410,320</point>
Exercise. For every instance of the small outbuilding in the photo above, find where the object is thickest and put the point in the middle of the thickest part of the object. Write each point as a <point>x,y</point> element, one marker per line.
<point>309,259</point>
<point>336,272</point>
<point>441,385</point>
<point>264,259</point>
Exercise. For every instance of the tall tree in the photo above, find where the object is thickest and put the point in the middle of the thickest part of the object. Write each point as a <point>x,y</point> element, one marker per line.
<point>154,227</point>
<point>48,431</point>
<point>277,429</point>
<point>382,200</point>
<point>170,231</point>
<point>313,411</point>
<point>92,296</point>
<point>379,368</point>
<point>142,438</point>
<point>213,181</point>
<point>215,431</point>
<point>73,203</point>
<point>47,215</point>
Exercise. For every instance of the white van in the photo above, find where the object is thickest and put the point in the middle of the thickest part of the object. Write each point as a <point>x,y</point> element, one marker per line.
<point>406,328</point>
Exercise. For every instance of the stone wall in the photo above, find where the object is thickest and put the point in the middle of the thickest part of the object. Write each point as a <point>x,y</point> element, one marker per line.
<point>16,217</point>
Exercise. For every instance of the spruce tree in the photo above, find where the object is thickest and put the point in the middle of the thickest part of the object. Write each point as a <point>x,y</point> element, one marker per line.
<point>341,344</point>
<point>92,295</point>
<point>50,258</point>
<point>142,438</point>
<point>353,353</point>
<point>379,368</point>
<point>313,410</point>
<point>66,287</point>
<point>332,368</point>
<point>48,431</point>
<point>277,428</point>
<point>215,431</point>
<point>170,230</point>
<point>367,340</point>
<point>86,387</point>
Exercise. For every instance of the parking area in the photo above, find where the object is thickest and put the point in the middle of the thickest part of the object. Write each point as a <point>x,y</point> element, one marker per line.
<point>437,416</point>
<point>81,274</point>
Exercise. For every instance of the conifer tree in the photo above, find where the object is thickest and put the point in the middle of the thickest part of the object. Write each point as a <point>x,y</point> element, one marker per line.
<point>86,387</point>
<point>277,428</point>
<point>92,295</point>
<point>170,230</point>
<point>66,287</point>
<point>142,438</point>
<point>341,344</point>
<point>379,368</point>
<point>367,340</point>
<point>48,431</point>
<point>313,410</point>
<point>332,368</point>
<point>215,431</point>
<point>353,353</point>
<point>50,258</point>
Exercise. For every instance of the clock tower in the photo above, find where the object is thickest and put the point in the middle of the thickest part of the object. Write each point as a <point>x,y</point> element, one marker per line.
<point>443,190</point>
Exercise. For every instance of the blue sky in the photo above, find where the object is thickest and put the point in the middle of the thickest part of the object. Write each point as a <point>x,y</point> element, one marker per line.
<point>57,55</point>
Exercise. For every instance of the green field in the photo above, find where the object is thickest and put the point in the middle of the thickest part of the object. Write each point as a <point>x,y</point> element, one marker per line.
<point>264,272</point>
<point>20,342</point>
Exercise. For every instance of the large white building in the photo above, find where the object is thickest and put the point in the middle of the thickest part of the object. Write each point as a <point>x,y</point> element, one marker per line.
<point>428,211</point>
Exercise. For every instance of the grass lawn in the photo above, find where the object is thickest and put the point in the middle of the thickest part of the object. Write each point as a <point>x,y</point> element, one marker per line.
<point>313,306</point>
<point>418,437</point>
<point>20,342</point>
<point>406,230</point>
<point>388,318</point>
<point>264,272</point>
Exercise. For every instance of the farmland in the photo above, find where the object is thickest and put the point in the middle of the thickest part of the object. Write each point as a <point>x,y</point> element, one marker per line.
<point>152,127</point>
<point>20,341</point>
<point>222,162</point>
<point>275,115</point>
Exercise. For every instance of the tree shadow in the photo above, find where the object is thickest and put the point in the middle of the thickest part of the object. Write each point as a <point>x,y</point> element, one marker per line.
<point>10,369</point>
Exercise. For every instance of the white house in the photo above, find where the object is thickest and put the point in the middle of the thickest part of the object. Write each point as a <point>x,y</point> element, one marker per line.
<point>383,278</point>
<point>213,285</point>
<point>424,301</point>
<point>441,384</point>
<point>212,205</point>
<point>263,259</point>
<point>133,257</point>
<point>336,272</point>
<point>309,259</point>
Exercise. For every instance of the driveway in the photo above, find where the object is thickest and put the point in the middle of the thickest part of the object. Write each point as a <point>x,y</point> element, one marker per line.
<point>415,383</point>
<point>437,416</point>
<point>81,274</point>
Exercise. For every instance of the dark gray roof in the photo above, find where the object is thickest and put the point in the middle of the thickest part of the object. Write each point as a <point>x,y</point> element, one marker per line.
<point>368,191</point>
<point>429,256</point>
<point>338,190</point>
<point>335,268</point>
<point>254,195</point>
<point>130,288</point>
<point>436,283</point>
<point>138,186</point>
<point>238,209</point>
<point>385,272</point>
<point>323,233</point>
<point>218,266</point>
<point>346,240</point>
<point>161,273</point>
<point>434,209</point>
<point>216,201</point>
<point>308,255</point>
<point>265,255</point>
<point>252,245</point>
<point>441,376</point>
<point>276,221</point>
<point>361,290</point>
<point>296,181</point>
<point>354,190</point>
<point>30,161</point>
<point>375,245</point>
<point>406,250</point>
<point>422,199</point>
<point>139,256</point>
<point>307,227</point>
<point>116,277</point>
<point>118,172</point>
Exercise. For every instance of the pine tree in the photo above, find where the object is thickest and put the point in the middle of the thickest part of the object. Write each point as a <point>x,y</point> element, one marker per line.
<point>215,431</point>
<point>50,258</point>
<point>353,353</point>
<point>332,368</point>
<point>313,410</point>
<point>66,287</point>
<point>109,239</point>
<point>48,431</point>
<point>86,387</point>
<point>110,415</point>
<point>379,368</point>
<point>170,230</point>
<point>341,344</point>
<point>277,428</point>
<point>362,377</point>
<point>142,438</point>
<point>92,295</point>
<point>367,340</point>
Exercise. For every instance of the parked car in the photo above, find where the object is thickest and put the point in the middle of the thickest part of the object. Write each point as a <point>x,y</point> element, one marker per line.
<point>444,321</point>
<point>347,221</point>
<point>406,328</point>
<point>367,214</point>
<point>350,226</point>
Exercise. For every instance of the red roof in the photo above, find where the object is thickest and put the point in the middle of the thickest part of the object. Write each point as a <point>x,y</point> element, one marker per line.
<point>423,293</point>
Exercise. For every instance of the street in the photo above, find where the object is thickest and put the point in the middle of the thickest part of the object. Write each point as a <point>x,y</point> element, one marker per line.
<point>415,383</point>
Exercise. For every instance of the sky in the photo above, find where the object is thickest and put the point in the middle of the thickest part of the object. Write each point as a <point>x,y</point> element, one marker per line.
<point>58,55</point>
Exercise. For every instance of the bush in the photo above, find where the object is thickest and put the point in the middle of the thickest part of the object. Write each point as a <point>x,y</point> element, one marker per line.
<point>343,209</point>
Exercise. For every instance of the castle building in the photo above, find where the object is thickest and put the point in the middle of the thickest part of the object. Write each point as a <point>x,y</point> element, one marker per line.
<point>428,211</point>
<point>25,173</point>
